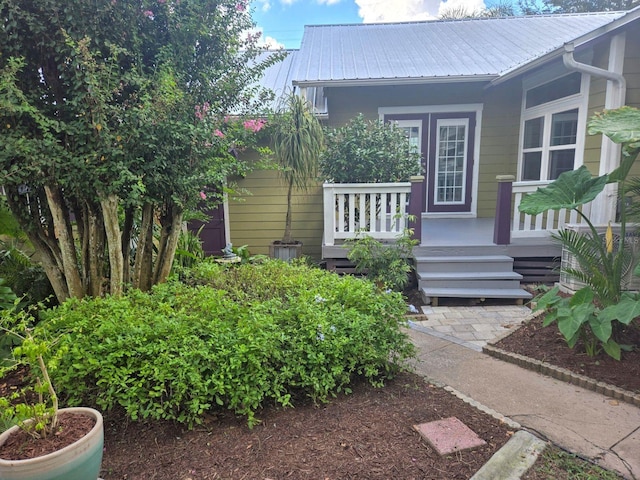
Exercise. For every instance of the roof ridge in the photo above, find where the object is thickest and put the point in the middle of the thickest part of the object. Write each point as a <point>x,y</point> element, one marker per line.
<point>473,19</point>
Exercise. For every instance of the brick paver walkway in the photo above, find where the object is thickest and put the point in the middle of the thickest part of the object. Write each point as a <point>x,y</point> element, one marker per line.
<point>471,326</point>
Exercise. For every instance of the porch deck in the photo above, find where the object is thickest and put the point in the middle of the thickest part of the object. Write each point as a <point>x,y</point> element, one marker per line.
<point>475,233</point>
<point>465,234</point>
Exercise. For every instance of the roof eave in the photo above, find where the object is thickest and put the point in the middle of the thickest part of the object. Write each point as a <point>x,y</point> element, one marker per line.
<point>377,82</point>
<point>631,16</point>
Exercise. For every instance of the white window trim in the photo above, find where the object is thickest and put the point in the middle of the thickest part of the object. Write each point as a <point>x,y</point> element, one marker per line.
<point>579,101</point>
<point>454,122</point>
<point>463,107</point>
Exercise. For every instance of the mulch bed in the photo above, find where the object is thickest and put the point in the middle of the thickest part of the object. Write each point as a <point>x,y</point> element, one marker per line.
<point>547,344</point>
<point>368,434</point>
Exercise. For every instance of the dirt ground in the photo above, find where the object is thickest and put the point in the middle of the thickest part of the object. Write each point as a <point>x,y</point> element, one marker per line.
<point>368,434</point>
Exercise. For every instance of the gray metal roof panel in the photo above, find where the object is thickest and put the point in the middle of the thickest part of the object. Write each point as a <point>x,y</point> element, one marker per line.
<point>423,50</point>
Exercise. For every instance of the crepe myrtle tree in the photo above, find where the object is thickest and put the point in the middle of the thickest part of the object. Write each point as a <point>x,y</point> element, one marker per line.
<point>112,126</point>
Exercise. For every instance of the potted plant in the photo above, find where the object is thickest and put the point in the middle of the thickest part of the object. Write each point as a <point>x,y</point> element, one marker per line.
<point>47,443</point>
<point>297,144</point>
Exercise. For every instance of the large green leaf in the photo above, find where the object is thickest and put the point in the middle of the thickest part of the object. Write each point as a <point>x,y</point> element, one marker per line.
<point>601,328</point>
<point>571,324</point>
<point>571,190</point>
<point>624,311</point>
<point>612,348</point>
<point>621,125</point>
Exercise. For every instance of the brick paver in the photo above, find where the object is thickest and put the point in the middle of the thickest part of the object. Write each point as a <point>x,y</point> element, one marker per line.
<point>473,325</point>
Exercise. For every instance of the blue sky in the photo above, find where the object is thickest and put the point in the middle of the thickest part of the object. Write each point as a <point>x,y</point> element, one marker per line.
<point>282,21</point>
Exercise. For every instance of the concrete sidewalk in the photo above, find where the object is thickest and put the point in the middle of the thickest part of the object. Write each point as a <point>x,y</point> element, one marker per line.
<point>605,430</point>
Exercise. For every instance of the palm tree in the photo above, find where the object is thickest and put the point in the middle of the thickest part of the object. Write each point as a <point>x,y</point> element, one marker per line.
<point>297,142</point>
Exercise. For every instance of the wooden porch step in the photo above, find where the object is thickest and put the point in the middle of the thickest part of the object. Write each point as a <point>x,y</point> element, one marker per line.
<point>465,264</point>
<point>506,280</point>
<point>429,294</point>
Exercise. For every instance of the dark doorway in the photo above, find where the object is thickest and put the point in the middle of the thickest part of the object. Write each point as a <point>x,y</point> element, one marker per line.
<point>213,234</point>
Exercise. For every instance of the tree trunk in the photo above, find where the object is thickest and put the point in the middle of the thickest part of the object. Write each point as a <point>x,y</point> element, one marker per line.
<point>95,245</point>
<point>171,222</point>
<point>112,229</point>
<point>287,223</point>
<point>142,272</point>
<point>46,249</point>
<point>64,239</point>
<point>127,229</point>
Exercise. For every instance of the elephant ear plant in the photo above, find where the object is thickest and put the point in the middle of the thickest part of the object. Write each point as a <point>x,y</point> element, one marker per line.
<point>598,310</point>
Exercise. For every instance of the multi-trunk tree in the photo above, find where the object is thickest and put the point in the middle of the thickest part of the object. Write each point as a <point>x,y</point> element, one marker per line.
<point>112,121</point>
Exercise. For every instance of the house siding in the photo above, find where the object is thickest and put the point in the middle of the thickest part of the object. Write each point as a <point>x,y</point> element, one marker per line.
<point>257,218</point>
<point>632,75</point>
<point>499,142</point>
<point>346,102</point>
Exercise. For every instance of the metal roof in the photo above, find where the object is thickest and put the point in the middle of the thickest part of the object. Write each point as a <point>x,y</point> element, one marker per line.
<point>277,77</point>
<point>472,49</point>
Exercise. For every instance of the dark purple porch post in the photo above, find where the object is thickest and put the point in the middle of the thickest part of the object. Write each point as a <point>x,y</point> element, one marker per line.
<point>502,222</point>
<point>416,200</point>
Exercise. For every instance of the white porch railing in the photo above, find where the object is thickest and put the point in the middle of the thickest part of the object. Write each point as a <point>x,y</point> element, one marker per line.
<point>523,225</point>
<point>378,209</point>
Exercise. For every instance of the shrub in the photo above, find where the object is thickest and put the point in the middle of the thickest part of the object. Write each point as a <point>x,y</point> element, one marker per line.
<point>368,152</point>
<point>179,351</point>
<point>386,264</point>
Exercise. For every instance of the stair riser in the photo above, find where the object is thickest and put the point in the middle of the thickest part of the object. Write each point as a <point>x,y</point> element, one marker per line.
<point>462,267</point>
<point>460,251</point>
<point>478,284</point>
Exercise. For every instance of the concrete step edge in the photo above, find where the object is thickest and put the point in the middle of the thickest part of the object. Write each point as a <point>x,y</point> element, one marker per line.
<point>463,258</point>
<point>476,292</point>
<point>507,275</point>
<point>513,459</point>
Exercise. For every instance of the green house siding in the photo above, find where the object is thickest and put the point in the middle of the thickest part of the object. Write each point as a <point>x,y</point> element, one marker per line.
<point>346,102</point>
<point>499,142</point>
<point>632,67</point>
<point>257,218</point>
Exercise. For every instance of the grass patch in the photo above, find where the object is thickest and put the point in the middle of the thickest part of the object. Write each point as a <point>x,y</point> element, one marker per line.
<point>557,464</point>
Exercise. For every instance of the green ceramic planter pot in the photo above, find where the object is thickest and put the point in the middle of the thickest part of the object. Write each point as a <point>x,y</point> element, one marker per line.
<point>79,461</point>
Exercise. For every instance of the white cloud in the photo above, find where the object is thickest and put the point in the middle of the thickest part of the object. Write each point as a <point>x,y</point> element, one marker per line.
<point>375,11</point>
<point>263,5</point>
<point>328,2</point>
<point>269,42</point>
<point>272,43</point>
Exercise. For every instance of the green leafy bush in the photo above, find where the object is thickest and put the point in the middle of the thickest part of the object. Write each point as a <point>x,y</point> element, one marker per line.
<point>368,152</point>
<point>256,334</point>
<point>387,264</point>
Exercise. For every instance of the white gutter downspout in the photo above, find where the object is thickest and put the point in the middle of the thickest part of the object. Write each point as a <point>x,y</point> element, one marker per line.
<point>603,209</point>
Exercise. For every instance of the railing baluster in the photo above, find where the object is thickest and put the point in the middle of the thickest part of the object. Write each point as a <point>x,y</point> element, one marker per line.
<point>340,212</point>
<point>362,211</point>
<point>393,222</point>
<point>352,212</point>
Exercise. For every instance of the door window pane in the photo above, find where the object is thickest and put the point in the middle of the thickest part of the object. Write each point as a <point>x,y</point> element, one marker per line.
<point>413,136</point>
<point>451,164</point>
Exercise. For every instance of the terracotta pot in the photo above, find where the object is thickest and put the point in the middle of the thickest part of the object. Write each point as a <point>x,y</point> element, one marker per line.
<point>79,461</point>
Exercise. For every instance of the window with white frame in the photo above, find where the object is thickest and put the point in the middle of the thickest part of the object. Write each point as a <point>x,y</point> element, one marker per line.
<point>552,132</point>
